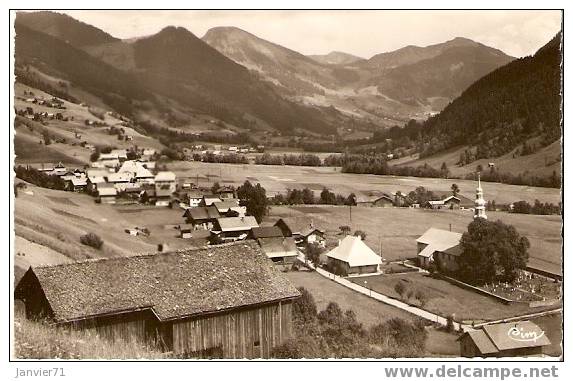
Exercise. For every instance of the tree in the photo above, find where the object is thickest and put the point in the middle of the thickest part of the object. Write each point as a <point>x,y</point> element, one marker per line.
<point>361,234</point>
<point>344,229</point>
<point>47,138</point>
<point>522,207</point>
<point>254,198</point>
<point>215,188</point>
<point>307,196</point>
<point>313,251</point>
<point>400,334</point>
<point>350,200</point>
<point>444,171</point>
<point>492,251</point>
<point>455,189</point>
<point>95,155</point>
<point>422,297</point>
<point>327,197</point>
<point>92,239</point>
<point>400,289</point>
<point>304,308</point>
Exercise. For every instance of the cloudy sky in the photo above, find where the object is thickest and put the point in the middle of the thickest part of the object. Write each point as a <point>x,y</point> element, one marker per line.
<point>363,33</point>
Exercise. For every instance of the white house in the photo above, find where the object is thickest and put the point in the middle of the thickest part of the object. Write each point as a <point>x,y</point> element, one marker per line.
<point>353,256</point>
<point>441,245</point>
<point>166,181</point>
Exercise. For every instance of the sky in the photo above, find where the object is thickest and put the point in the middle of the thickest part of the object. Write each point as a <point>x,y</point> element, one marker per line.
<point>362,33</point>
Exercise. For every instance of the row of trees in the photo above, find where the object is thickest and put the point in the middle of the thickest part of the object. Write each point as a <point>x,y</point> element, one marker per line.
<point>306,197</point>
<point>334,333</point>
<point>289,159</point>
<point>538,207</point>
<point>40,178</point>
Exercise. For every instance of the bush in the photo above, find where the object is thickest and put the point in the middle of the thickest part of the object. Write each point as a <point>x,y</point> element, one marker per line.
<point>91,239</point>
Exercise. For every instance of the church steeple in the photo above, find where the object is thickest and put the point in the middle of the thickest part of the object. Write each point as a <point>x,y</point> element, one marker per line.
<point>479,202</point>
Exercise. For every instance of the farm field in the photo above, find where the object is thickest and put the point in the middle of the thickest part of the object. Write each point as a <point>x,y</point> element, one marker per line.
<point>277,179</point>
<point>56,220</point>
<point>445,298</point>
<point>395,230</point>
<point>368,311</point>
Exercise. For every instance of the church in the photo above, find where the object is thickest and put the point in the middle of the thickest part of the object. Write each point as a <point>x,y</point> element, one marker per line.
<point>442,247</point>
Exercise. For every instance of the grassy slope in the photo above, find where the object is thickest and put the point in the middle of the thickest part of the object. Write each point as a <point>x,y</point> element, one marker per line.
<point>535,163</point>
<point>57,219</point>
<point>34,340</point>
<point>92,135</point>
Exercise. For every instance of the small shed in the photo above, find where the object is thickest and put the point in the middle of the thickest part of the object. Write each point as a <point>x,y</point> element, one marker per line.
<point>516,339</point>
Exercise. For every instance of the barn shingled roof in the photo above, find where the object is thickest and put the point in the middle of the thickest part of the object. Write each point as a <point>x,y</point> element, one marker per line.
<point>174,284</point>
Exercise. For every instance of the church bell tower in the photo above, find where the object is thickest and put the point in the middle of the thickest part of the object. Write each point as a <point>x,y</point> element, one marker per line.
<point>479,202</point>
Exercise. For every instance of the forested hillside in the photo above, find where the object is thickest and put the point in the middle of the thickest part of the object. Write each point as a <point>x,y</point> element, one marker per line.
<point>503,110</point>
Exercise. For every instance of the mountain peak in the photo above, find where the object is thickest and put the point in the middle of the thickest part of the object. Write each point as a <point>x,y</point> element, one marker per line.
<point>336,57</point>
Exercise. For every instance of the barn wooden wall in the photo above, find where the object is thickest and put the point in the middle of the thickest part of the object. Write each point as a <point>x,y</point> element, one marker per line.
<point>249,333</point>
<point>138,326</point>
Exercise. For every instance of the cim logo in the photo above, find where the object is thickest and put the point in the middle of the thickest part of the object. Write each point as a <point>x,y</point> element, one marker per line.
<point>518,334</point>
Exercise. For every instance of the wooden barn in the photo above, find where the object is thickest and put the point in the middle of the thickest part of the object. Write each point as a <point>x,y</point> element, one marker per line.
<point>225,301</point>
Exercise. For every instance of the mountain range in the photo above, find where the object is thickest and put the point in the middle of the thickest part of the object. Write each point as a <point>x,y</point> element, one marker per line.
<point>249,84</point>
<point>389,88</point>
<point>313,93</point>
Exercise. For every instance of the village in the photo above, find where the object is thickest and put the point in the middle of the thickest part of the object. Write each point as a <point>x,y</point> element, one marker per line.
<point>216,216</point>
<point>172,202</point>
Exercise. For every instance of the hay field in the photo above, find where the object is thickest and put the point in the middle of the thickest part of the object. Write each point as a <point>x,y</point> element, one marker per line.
<point>395,230</point>
<point>277,179</point>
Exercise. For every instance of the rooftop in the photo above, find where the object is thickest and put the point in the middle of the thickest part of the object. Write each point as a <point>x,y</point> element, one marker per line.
<point>278,246</point>
<point>355,252</point>
<point>174,285</point>
<point>493,338</point>
<point>229,224</point>
<point>267,232</point>
<point>202,213</point>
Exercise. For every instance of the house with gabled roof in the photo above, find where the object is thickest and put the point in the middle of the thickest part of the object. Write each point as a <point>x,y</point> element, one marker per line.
<point>265,232</point>
<point>230,208</point>
<point>202,217</point>
<point>140,173</point>
<point>441,247</point>
<point>233,228</point>
<point>514,339</point>
<point>303,231</point>
<point>77,183</point>
<point>280,250</point>
<point>383,200</point>
<point>169,299</point>
<point>209,199</point>
<point>107,193</point>
<point>353,256</point>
